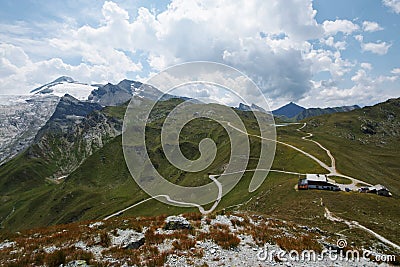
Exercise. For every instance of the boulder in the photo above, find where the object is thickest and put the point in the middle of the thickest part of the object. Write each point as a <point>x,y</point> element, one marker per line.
<point>128,239</point>
<point>176,223</point>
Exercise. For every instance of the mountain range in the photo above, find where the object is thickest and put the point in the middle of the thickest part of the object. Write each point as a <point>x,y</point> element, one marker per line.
<point>294,112</point>
<point>23,116</point>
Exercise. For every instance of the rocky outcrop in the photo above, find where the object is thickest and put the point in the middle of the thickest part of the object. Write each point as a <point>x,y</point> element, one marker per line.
<point>128,239</point>
<point>176,222</point>
<point>74,132</point>
<point>117,94</point>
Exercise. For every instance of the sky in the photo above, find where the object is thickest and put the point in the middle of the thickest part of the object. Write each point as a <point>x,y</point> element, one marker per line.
<point>316,53</point>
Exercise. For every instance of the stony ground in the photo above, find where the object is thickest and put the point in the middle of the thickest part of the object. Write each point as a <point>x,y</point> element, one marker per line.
<point>187,240</point>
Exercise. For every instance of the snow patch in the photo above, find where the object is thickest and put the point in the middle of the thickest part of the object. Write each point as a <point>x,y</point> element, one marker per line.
<point>77,90</point>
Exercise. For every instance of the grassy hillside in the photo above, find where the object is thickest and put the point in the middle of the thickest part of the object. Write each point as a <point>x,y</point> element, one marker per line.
<point>365,142</point>
<point>102,184</point>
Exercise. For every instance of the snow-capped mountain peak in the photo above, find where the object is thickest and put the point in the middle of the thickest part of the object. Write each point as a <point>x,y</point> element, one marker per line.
<point>63,79</point>
<point>65,85</point>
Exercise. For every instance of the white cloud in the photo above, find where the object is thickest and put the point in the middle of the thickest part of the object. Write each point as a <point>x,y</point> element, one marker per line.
<point>376,48</point>
<point>359,38</point>
<point>360,76</point>
<point>19,74</point>
<point>325,60</point>
<point>380,48</point>
<point>371,26</point>
<point>366,90</point>
<point>344,26</point>
<point>394,5</point>
<point>366,66</point>
<point>340,45</point>
<point>396,71</point>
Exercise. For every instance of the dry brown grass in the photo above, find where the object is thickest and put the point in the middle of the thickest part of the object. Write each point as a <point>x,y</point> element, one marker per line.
<point>153,238</point>
<point>105,239</point>
<point>221,235</point>
<point>159,259</point>
<point>29,244</point>
<point>193,216</point>
<point>262,234</point>
<point>184,244</point>
<point>298,243</point>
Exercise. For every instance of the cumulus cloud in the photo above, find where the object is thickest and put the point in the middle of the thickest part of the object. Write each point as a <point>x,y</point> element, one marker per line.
<point>340,45</point>
<point>371,26</point>
<point>366,66</point>
<point>376,48</point>
<point>18,70</point>
<point>344,26</point>
<point>332,62</point>
<point>394,5</point>
<point>396,71</point>
<point>380,48</point>
<point>366,90</point>
<point>359,38</point>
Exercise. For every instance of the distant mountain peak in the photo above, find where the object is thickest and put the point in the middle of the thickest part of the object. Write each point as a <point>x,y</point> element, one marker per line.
<point>59,80</point>
<point>64,85</point>
<point>63,79</point>
<point>289,110</point>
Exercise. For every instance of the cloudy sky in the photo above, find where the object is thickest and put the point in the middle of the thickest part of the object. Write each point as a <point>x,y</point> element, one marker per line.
<point>315,53</point>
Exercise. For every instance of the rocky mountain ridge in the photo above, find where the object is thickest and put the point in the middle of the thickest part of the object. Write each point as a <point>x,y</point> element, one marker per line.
<point>74,131</point>
<point>294,112</point>
<point>21,117</point>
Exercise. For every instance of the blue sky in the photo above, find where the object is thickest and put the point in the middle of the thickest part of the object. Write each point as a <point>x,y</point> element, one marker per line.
<point>316,53</point>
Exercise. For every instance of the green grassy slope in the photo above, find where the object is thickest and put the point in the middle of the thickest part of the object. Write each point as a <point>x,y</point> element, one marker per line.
<point>365,142</point>
<point>102,184</point>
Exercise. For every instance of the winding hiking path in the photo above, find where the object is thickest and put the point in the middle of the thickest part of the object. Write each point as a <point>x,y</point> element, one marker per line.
<point>354,224</point>
<point>331,169</point>
<point>201,209</point>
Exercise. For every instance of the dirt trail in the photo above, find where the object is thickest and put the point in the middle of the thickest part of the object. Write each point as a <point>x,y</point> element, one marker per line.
<point>354,224</point>
<point>333,171</point>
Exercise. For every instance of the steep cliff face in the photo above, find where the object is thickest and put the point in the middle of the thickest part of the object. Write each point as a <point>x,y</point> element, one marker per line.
<point>21,117</point>
<point>73,133</point>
